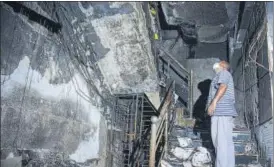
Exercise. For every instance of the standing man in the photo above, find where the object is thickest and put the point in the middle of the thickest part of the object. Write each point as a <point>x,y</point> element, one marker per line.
<point>221,108</point>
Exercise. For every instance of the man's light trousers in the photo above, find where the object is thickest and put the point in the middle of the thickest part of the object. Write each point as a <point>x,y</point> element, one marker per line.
<point>221,134</point>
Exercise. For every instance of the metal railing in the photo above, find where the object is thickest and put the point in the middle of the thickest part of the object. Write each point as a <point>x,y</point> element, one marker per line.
<point>132,115</point>
<point>160,126</point>
<point>130,130</point>
<point>181,72</point>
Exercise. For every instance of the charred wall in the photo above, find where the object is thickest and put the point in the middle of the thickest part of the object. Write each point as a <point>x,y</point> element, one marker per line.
<point>251,65</point>
<point>61,62</point>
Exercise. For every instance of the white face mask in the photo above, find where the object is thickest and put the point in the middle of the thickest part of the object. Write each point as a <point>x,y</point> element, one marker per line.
<point>216,67</point>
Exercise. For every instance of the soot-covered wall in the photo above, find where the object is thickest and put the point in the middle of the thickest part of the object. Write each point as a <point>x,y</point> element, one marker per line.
<point>58,75</point>
<point>264,131</point>
<point>252,64</point>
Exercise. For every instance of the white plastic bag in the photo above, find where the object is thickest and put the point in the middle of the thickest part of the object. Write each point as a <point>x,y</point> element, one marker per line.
<point>182,153</point>
<point>184,141</point>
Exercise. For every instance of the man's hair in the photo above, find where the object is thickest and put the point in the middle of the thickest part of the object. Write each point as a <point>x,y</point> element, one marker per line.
<point>224,64</point>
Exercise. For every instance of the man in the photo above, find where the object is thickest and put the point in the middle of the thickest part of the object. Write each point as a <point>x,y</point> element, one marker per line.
<point>221,108</point>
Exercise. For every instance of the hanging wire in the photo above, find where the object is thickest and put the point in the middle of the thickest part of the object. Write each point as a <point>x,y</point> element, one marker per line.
<point>15,145</point>
<point>254,46</point>
<point>81,66</point>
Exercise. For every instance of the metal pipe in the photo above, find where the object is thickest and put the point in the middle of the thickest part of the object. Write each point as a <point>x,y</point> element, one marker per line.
<point>159,126</point>
<point>166,130</point>
<point>152,149</point>
<point>142,112</point>
<point>191,94</point>
<point>168,69</point>
<point>244,92</point>
<point>136,112</point>
<point>159,137</point>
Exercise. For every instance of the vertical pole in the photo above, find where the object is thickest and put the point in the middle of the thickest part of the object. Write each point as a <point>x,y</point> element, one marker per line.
<point>166,130</point>
<point>113,116</point>
<point>244,92</point>
<point>136,112</point>
<point>142,112</point>
<point>168,69</point>
<point>191,93</point>
<point>152,150</point>
<point>272,76</point>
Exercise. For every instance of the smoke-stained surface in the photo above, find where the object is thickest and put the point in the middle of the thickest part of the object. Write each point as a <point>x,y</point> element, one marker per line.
<point>57,82</point>
<point>213,20</point>
<point>61,62</point>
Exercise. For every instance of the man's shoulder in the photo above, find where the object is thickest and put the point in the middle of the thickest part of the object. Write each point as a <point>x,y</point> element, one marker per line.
<point>225,73</point>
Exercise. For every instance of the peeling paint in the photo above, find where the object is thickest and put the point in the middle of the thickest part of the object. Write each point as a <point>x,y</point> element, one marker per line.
<point>125,36</point>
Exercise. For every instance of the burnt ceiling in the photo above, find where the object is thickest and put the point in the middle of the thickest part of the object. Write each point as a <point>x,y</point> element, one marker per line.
<point>208,21</point>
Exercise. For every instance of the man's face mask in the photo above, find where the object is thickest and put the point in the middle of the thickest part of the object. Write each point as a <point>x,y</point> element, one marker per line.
<point>216,67</point>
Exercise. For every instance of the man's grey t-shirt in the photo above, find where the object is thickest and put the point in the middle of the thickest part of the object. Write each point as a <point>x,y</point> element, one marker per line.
<point>226,105</point>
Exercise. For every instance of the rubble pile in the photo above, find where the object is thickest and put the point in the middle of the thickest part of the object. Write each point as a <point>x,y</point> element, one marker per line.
<point>185,151</point>
<point>188,148</point>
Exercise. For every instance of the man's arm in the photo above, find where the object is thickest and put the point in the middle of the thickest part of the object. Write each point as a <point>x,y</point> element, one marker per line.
<point>209,99</point>
<point>220,93</point>
<point>223,82</point>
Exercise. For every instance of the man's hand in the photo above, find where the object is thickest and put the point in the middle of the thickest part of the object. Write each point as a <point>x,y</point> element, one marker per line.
<point>212,108</point>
